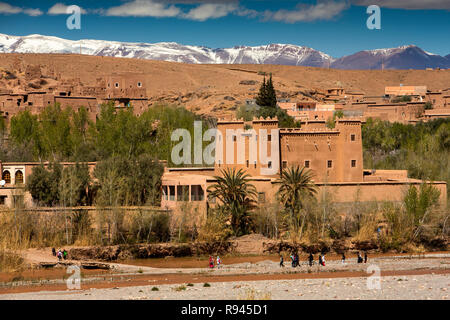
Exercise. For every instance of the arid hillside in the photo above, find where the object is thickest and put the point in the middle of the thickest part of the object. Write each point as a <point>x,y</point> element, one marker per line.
<point>206,89</point>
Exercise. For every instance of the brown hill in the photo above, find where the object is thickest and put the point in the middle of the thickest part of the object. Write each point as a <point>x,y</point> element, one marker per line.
<point>208,89</point>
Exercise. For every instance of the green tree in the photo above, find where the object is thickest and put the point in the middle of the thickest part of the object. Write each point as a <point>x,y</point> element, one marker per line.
<point>261,98</point>
<point>43,184</point>
<point>266,96</point>
<point>237,198</point>
<point>295,186</point>
<point>74,185</point>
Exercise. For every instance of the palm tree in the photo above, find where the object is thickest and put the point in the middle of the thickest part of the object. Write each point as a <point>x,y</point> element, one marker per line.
<point>295,185</point>
<point>236,196</point>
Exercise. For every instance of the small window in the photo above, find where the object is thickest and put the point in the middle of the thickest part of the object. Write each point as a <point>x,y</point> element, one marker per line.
<point>306,163</point>
<point>270,164</point>
<point>269,138</point>
<point>284,164</point>
<point>234,138</point>
<point>247,163</point>
<point>352,137</point>
<point>197,193</point>
<point>255,164</point>
<point>330,164</point>
<point>19,177</point>
<point>353,163</point>
<point>261,197</point>
<point>171,193</point>
<point>116,84</point>
<point>182,193</point>
<point>2,200</point>
<point>139,84</point>
<point>7,176</point>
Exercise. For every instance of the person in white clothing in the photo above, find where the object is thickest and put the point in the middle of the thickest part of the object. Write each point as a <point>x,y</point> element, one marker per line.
<point>218,262</point>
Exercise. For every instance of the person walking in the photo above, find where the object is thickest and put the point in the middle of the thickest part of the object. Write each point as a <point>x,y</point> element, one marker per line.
<point>365,256</point>
<point>54,252</point>
<point>64,254</point>
<point>320,259</point>
<point>343,258</point>
<point>59,255</point>
<point>360,259</point>
<point>323,259</point>
<point>281,261</point>
<point>311,259</point>
<point>211,262</point>
<point>218,262</point>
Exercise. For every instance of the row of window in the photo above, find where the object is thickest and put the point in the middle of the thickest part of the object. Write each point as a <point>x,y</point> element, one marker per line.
<point>117,85</point>
<point>182,193</point>
<point>18,177</point>
<point>307,164</point>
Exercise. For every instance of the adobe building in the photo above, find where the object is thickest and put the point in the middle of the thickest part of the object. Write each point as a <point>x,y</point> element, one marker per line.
<point>15,176</point>
<point>124,90</point>
<point>334,156</point>
<point>408,112</point>
<point>306,110</point>
<point>406,91</point>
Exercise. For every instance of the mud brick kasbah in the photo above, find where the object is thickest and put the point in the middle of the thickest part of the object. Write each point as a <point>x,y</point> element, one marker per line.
<point>334,155</point>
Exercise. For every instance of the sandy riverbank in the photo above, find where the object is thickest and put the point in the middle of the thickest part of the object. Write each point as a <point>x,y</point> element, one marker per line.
<point>426,269</point>
<point>414,287</point>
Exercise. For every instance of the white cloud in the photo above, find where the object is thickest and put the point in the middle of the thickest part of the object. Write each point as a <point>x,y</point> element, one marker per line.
<point>210,11</point>
<point>307,13</point>
<point>144,8</point>
<point>407,4</point>
<point>6,8</point>
<point>61,8</point>
<point>33,12</point>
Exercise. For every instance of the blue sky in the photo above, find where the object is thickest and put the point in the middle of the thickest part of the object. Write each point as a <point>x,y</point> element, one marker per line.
<point>336,27</point>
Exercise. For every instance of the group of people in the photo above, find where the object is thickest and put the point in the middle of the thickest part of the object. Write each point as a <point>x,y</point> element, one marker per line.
<point>60,254</point>
<point>360,258</point>
<point>211,262</point>
<point>295,259</point>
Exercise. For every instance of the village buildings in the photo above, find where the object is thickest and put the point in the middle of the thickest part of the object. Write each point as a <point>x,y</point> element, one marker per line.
<point>122,90</point>
<point>334,156</point>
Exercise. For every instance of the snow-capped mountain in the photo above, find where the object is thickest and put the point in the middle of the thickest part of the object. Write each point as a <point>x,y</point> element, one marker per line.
<point>406,57</point>
<point>168,51</point>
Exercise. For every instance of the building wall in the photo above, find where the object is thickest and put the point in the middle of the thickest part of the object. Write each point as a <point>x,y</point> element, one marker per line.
<point>406,90</point>
<point>126,85</point>
<point>317,147</point>
<point>252,164</point>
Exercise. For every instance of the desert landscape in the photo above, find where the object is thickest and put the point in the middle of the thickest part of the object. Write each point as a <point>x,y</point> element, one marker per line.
<point>214,90</point>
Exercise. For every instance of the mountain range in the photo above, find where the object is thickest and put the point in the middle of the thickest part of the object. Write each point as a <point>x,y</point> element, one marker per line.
<point>405,57</point>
